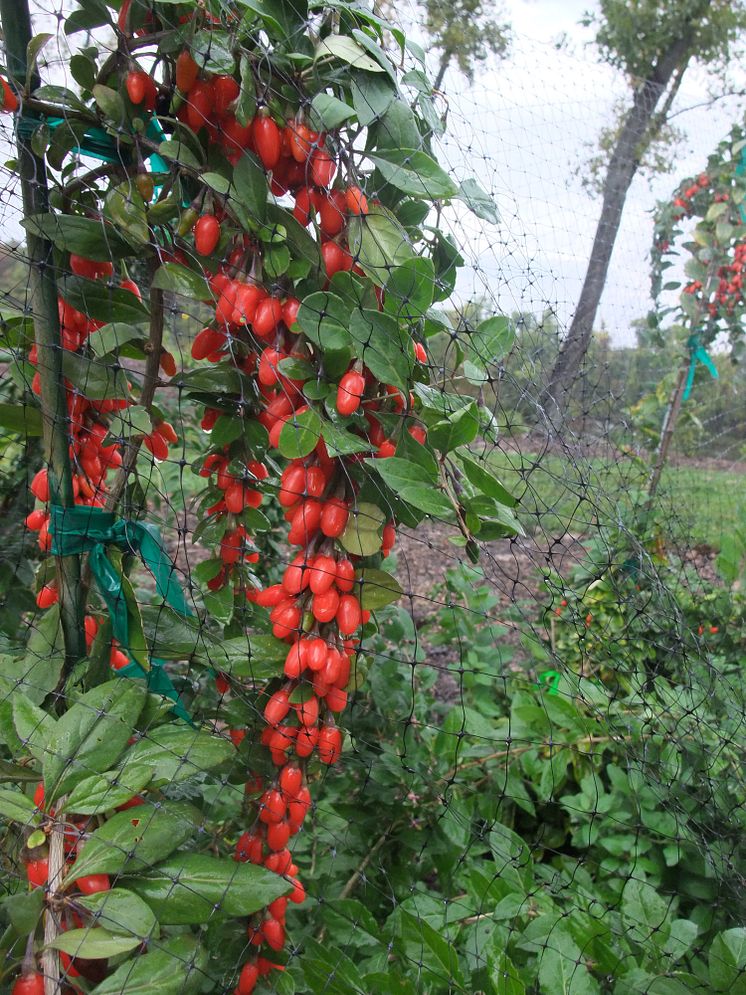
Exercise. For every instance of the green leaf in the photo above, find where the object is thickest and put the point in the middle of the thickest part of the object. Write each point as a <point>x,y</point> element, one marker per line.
<point>196,888</point>
<point>61,95</point>
<point>327,969</point>
<point>323,318</point>
<point>164,970</point>
<point>561,974</point>
<point>512,857</point>
<point>89,737</point>
<point>484,481</point>
<point>221,379</point>
<point>410,289</point>
<point>111,337</point>
<point>424,498</point>
<point>276,260</point>
<point>33,49</point>
<point>38,672</point>
<point>644,909</point>
<point>379,243</point>
<point>132,421</point>
<point>94,15</point>
<point>300,434</point>
<point>179,152</point>
<point>181,280</point>
<point>216,181</point>
<point>376,588</point>
<point>34,726</point>
<point>22,419</point>
<point>211,49</point>
<point>371,96</point>
<point>250,183</point>
<point>416,940</point>
<point>329,112</point>
<point>383,345</point>
<point>83,71</point>
<point>102,302</point>
<point>110,103</point>
<point>347,49</point>
<point>125,207</point>
<point>296,368</point>
<point>504,976</point>
<point>121,911</point>
<point>258,658</point>
<point>362,536</point>
<point>304,249</point>
<point>246,103</point>
<point>172,753</point>
<point>398,473</point>
<point>458,429</point>
<point>219,604</point>
<point>102,792</point>
<point>339,442</point>
<point>414,173</point>
<point>18,807</point>
<point>491,341</point>
<point>226,429</point>
<point>727,960</point>
<point>135,839</point>
<point>365,41</point>
<point>93,239</point>
<point>93,944</point>
<point>479,202</point>
<point>23,912</point>
<point>95,380</point>
<point>681,938</point>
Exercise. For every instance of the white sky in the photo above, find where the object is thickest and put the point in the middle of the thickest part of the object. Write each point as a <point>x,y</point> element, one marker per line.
<point>524,129</point>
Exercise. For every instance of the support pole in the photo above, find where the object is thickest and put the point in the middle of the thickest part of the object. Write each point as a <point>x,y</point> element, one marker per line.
<point>671,417</point>
<point>42,300</point>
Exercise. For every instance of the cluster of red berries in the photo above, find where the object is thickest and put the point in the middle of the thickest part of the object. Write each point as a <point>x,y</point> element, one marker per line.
<point>683,202</point>
<point>91,457</point>
<point>729,294</point>
<point>37,874</point>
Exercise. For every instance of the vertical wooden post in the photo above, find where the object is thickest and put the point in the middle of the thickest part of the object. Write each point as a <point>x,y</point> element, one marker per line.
<point>670,419</point>
<point>42,300</point>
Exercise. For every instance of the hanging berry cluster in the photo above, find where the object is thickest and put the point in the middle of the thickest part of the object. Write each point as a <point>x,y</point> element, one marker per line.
<point>706,216</point>
<point>93,452</point>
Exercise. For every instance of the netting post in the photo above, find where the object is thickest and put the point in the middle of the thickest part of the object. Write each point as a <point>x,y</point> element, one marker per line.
<point>671,417</point>
<point>16,25</point>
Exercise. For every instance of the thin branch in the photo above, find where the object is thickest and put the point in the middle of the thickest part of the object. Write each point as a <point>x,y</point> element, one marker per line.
<point>359,871</point>
<point>50,961</point>
<point>151,380</point>
<point>708,103</point>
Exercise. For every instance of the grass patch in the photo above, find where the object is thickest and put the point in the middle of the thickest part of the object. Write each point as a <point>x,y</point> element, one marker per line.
<point>695,505</point>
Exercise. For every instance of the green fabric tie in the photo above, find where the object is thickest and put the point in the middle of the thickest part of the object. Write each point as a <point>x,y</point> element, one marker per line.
<point>740,170</point>
<point>697,354</point>
<point>91,530</point>
<point>551,678</point>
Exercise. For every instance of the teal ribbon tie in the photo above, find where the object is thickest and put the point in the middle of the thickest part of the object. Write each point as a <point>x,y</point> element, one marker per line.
<point>697,354</point>
<point>551,678</point>
<point>92,530</point>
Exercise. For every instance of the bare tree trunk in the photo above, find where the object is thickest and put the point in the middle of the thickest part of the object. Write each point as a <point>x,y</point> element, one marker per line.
<point>638,128</point>
<point>444,63</point>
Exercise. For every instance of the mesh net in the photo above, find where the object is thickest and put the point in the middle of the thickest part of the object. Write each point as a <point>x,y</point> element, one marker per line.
<point>384,677</point>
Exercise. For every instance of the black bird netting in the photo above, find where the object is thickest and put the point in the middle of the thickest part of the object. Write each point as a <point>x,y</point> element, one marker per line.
<point>340,652</point>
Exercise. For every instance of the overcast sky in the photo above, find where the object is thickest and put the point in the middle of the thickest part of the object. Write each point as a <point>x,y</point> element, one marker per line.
<point>525,128</point>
